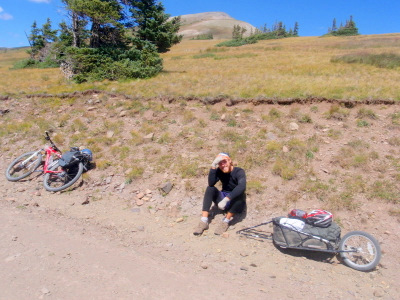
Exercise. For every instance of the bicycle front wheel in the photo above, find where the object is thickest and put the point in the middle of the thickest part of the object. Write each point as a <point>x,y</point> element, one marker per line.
<point>363,252</point>
<point>23,166</point>
<point>61,178</point>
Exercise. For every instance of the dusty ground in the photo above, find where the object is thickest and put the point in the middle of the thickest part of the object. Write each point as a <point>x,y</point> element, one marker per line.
<point>98,240</point>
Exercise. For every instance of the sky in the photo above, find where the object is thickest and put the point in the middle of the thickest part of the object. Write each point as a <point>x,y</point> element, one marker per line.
<point>313,16</point>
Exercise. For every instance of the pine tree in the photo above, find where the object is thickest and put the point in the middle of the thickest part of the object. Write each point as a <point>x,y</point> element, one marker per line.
<point>348,29</point>
<point>105,18</point>
<point>334,28</point>
<point>154,25</point>
<point>296,29</point>
<point>236,32</point>
<point>36,40</point>
<point>49,35</point>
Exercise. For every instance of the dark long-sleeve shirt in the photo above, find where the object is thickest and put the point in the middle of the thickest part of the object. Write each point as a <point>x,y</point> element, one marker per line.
<point>233,183</point>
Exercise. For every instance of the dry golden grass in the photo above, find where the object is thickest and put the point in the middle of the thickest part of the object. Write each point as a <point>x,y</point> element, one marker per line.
<point>293,67</point>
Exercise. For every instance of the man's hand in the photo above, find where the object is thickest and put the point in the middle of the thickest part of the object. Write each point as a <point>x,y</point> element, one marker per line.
<point>216,161</point>
<point>223,203</point>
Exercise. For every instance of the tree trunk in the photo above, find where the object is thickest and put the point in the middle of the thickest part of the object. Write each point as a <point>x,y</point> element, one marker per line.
<point>75,30</point>
<point>95,35</point>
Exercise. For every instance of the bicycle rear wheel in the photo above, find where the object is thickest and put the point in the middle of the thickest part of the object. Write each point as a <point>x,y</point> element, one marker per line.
<point>23,166</point>
<point>62,178</point>
<point>365,252</point>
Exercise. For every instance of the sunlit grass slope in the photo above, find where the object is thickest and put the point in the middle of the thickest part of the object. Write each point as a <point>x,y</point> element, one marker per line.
<point>294,67</point>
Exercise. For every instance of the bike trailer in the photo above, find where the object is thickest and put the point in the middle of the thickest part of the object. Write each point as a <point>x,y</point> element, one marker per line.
<point>294,233</point>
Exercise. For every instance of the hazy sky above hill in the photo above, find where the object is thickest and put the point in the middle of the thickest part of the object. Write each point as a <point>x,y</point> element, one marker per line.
<point>314,16</point>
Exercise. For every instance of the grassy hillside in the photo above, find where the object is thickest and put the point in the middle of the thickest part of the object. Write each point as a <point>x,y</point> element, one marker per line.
<point>294,67</point>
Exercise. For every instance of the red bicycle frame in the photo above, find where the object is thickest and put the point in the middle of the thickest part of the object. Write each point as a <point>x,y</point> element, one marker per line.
<point>49,155</point>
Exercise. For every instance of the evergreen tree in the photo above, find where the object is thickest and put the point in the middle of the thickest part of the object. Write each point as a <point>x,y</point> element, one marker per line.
<point>348,29</point>
<point>154,25</point>
<point>296,29</point>
<point>334,28</point>
<point>65,37</point>
<point>104,17</point>
<point>48,34</point>
<point>78,25</point>
<point>36,40</point>
<point>236,32</point>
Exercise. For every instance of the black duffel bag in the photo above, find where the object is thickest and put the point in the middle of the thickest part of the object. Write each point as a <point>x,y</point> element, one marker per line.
<point>69,159</point>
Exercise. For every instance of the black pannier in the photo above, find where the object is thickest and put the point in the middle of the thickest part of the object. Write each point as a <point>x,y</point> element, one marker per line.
<point>69,159</point>
<point>302,238</point>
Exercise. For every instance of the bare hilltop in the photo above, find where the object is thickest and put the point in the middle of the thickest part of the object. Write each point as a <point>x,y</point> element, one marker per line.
<point>219,24</point>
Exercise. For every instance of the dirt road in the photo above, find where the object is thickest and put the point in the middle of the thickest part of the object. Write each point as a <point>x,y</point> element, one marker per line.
<point>44,256</point>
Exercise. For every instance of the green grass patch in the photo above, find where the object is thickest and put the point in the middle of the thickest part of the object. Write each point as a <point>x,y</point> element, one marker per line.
<point>366,113</point>
<point>385,190</point>
<point>204,55</point>
<point>384,60</point>
<point>337,112</point>
<point>133,173</point>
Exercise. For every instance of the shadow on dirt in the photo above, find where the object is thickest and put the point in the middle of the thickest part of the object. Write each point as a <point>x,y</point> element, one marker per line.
<point>312,255</point>
<point>214,211</point>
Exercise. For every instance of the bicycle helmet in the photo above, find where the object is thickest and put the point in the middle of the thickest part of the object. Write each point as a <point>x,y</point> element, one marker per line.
<point>319,218</point>
<point>88,154</point>
<point>297,213</point>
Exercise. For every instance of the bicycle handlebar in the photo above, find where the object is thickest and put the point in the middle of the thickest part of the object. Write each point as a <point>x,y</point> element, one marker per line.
<point>47,137</point>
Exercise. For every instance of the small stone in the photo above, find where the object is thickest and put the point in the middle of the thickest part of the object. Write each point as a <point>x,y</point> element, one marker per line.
<point>387,232</point>
<point>45,291</point>
<point>179,220</point>
<point>244,268</point>
<point>148,192</point>
<point>149,137</point>
<point>91,108</point>
<point>285,149</point>
<point>204,266</point>
<point>86,202</point>
<point>140,195</point>
<point>225,235</point>
<point>14,238</point>
<point>108,179</point>
<point>167,187</point>
<point>293,126</point>
<point>122,113</point>
<point>379,293</point>
<point>110,134</point>
<point>253,265</point>
<point>139,202</point>
<point>223,117</point>
<point>148,115</point>
<point>271,136</point>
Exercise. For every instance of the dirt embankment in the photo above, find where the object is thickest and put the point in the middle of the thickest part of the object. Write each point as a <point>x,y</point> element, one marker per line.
<point>97,240</point>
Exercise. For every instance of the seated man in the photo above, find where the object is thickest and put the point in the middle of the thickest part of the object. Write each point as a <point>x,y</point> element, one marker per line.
<point>231,199</point>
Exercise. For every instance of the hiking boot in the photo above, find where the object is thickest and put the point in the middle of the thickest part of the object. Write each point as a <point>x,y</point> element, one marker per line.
<point>222,227</point>
<point>200,228</point>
